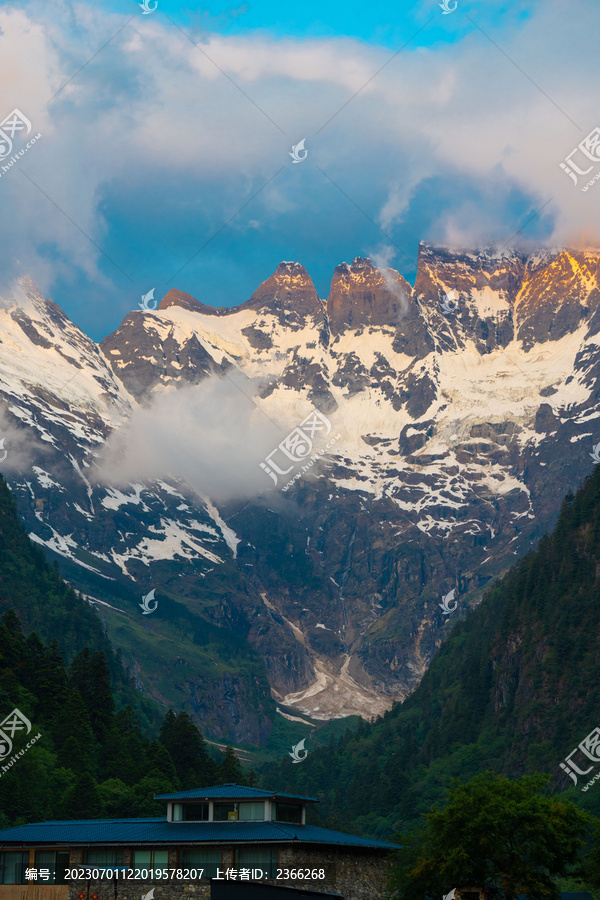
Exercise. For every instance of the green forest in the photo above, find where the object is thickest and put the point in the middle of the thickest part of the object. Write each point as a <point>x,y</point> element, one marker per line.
<point>513,690</point>
<point>92,761</point>
<point>510,694</point>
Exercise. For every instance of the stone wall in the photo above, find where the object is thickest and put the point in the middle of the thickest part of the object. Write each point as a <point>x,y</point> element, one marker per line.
<point>355,874</point>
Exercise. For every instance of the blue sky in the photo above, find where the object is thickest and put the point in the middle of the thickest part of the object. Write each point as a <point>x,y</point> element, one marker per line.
<point>164,157</point>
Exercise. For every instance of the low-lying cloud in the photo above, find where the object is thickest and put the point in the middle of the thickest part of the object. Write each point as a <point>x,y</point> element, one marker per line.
<point>211,436</point>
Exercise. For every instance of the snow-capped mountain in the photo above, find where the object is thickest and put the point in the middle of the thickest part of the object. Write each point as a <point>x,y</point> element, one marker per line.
<point>452,419</point>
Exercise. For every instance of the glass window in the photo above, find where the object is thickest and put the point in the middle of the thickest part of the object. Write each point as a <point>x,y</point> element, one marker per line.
<point>150,859</point>
<point>56,862</point>
<point>12,867</point>
<point>288,812</point>
<point>222,811</point>
<point>195,812</point>
<point>251,812</point>
<point>177,812</point>
<point>209,860</point>
<point>265,858</point>
<point>104,858</point>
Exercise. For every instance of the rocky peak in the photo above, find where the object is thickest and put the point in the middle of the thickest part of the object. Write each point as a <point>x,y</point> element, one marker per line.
<point>186,301</point>
<point>360,266</point>
<point>362,294</point>
<point>292,269</point>
<point>289,288</point>
<point>440,269</point>
<point>560,290</point>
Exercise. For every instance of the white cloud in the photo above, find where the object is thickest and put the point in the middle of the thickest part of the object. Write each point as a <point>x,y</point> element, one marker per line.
<point>151,109</point>
<point>17,445</point>
<point>212,436</point>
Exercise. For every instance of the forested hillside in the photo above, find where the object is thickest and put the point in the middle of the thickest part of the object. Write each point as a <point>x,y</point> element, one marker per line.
<point>49,606</point>
<point>58,668</point>
<point>90,761</point>
<point>513,690</point>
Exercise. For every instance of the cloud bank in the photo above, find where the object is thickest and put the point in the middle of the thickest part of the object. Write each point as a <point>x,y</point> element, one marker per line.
<point>212,436</point>
<point>162,138</point>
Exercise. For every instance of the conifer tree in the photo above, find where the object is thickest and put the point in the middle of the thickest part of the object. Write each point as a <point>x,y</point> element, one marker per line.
<point>187,748</point>
<point>90,675</point>
<point>82,800</point>
<point>125,748</point>
<point>230,769</point>
<point>74,740</point>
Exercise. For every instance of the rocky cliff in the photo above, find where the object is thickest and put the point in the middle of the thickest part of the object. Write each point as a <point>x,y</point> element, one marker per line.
<point>453,418</point>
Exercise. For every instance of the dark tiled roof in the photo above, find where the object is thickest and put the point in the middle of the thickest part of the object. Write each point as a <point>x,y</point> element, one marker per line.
<point>230,792</point>
<point>159,831</point>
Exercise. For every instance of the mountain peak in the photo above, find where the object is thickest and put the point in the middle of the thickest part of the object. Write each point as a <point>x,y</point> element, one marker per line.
<point>360,265</point>
<point>363,294</point>
<point>186,301</point>
<point>289,287</point>
<point>293,269</point>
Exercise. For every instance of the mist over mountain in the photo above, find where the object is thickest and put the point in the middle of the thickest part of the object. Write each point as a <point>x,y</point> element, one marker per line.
<point>299,558</point>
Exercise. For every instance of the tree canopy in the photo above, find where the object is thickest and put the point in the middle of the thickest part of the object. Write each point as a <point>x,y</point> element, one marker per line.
<point>92,761</point>
<point>495,830</point>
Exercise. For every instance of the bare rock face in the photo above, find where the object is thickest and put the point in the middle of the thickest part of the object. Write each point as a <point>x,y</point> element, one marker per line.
<point>362,295</point>
<point>469,296</point>
<point>145,358</point>
<point>289,289</point>
<point>186,301</point>
<point>462,410</point>
<point>559,292</point>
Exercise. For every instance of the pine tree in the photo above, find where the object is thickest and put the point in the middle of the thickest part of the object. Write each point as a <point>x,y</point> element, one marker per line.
<point>44,674</point>
<point>125,749</point>
<point>82,801</point>
<point>160,763</point>
<point>73,738</point>
<point>230,769</point>
<point>90,675</point>
<point>187,748</point>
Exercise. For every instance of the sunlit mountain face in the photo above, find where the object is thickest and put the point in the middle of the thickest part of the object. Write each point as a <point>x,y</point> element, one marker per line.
<point>311,476</point>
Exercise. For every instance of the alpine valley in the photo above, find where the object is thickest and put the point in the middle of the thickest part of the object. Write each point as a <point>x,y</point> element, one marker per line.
<point>456,415</point>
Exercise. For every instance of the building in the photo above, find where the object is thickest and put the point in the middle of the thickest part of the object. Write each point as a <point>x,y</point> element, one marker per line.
<point>228,833</point>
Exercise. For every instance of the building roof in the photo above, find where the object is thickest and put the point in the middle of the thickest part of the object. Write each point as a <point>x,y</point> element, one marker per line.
<point>109,832</point>
<point>231,792</point>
